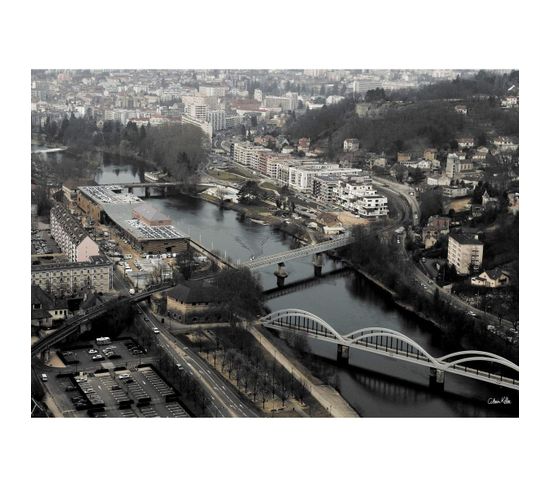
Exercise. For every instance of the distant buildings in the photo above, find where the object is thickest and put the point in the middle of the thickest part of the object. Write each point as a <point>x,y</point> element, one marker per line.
<point>364,85</point>
<point>457,165</point>
<point>434,229</point>
<point>351,145</point>
<point>465,253</point>
<point>287,103</point>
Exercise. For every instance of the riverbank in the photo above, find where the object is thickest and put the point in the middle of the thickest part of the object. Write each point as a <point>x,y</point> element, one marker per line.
<point>393,295</point>
<point>326,395</point>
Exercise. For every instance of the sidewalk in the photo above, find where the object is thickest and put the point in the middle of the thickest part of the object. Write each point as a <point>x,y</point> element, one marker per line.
<point>327,396</point>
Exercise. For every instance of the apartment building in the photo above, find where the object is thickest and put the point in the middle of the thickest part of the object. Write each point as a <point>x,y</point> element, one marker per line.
<point>212,90</point>
<point>249,154</point>
<point>70,278</point>
<point>216,118</point>
<point>457,164</point>
<point>287,103</point>
<point>69,235</point>
<point>464,252</point>
<point>357,195</point>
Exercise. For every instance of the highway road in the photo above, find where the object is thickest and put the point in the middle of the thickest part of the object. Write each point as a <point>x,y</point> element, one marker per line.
<point>226,402</point>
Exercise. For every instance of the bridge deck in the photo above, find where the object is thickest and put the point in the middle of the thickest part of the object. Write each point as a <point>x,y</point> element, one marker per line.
<point>298,253</point>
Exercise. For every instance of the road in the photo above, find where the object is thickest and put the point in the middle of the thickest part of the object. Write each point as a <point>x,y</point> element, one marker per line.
<point>424,281</point>
<point>226,402</point>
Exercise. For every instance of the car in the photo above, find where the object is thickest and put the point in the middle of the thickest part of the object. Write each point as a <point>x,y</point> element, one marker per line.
<point>123,376</point>
<point>179,366</point>
<point>44,377</point>
<point>139,312</point>
<point>97,357</point>
<point>92,351</point>
<point>472,314</point>
<point>115,387</point>
<point>145,319</point>
<point>156,331</point>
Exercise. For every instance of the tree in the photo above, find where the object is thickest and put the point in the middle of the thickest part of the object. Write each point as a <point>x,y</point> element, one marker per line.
<point>250,192</point>
<point>431,203</point>
<point>240,293</point>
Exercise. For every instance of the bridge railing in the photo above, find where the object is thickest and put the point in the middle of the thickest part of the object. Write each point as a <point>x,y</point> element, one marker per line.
<point>382,340</point>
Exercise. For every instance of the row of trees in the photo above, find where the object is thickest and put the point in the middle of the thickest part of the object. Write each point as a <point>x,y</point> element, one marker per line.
<point>239,355</point>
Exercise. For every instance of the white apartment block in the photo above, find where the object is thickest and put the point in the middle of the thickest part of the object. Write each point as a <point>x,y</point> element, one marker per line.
<point>69,235</point>
<point>363,86</point>
<point>287,103</point>
<point>357,195</point>
<point>212,90</point>
<point>217,119</point>
<point>465,251</point>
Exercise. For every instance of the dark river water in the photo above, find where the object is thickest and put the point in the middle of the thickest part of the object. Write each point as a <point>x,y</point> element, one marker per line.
<point>388,388</point>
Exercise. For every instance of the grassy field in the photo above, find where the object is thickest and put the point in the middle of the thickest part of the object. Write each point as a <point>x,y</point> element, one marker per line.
<point>226,176</point>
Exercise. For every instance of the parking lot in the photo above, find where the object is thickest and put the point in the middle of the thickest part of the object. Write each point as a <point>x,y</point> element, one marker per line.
<point>135,392</point>
<point>92,357</point>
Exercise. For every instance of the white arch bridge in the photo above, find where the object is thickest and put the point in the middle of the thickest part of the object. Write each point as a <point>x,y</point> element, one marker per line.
<point>390,343</point>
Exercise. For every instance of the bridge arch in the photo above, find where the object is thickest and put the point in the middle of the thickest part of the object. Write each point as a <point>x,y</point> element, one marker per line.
<point>506,363</point>
<point>296,312</point>
<point>476,353</point>
<point>383,332</point>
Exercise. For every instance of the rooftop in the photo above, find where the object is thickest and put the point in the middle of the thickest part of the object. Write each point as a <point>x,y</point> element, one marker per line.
<point>103,194</point>
<point>121,214</point>
<point>192,292</point>
<point>61,265</point>
<point>465,239</point>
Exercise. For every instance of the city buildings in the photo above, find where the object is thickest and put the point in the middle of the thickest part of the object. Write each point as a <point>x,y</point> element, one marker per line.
<point>465,253</point>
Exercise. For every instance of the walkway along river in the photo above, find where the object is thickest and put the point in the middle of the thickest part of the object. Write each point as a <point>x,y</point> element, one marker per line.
<point>347,301</point>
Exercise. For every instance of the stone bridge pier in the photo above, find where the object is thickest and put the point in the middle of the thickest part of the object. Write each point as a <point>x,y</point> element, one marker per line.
<point>318,260</point>
<point>437,379</point>
<point>281,273</point>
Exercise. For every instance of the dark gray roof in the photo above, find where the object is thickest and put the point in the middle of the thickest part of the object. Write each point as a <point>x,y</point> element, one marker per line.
<point>69,223</point>
<point>193,292</point>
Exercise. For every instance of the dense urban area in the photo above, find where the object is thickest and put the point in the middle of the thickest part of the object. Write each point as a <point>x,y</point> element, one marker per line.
<point>274,243</point>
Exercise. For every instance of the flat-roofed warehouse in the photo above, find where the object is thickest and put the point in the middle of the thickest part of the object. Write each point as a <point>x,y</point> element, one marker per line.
<point>142,225</point>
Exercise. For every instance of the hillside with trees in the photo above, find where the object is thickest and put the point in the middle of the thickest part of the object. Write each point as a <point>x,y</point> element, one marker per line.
<point>416,118</point>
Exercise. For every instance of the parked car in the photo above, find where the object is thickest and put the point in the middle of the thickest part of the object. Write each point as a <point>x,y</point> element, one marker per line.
<point>97,357</point>
<point>92,351</point>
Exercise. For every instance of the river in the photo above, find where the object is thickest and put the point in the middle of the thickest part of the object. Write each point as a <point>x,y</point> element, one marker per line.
<point>348,302</point>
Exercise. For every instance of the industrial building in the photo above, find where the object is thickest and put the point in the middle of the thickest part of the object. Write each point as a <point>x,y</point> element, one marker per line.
<point>145,228</point>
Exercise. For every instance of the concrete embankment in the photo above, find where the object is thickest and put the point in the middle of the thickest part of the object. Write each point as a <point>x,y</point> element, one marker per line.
<point>327,396</point>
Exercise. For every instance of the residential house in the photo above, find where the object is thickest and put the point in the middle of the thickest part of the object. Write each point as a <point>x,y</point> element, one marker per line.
<point>494,278</point>
<point>46,311</point>
<point>351,145</point>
